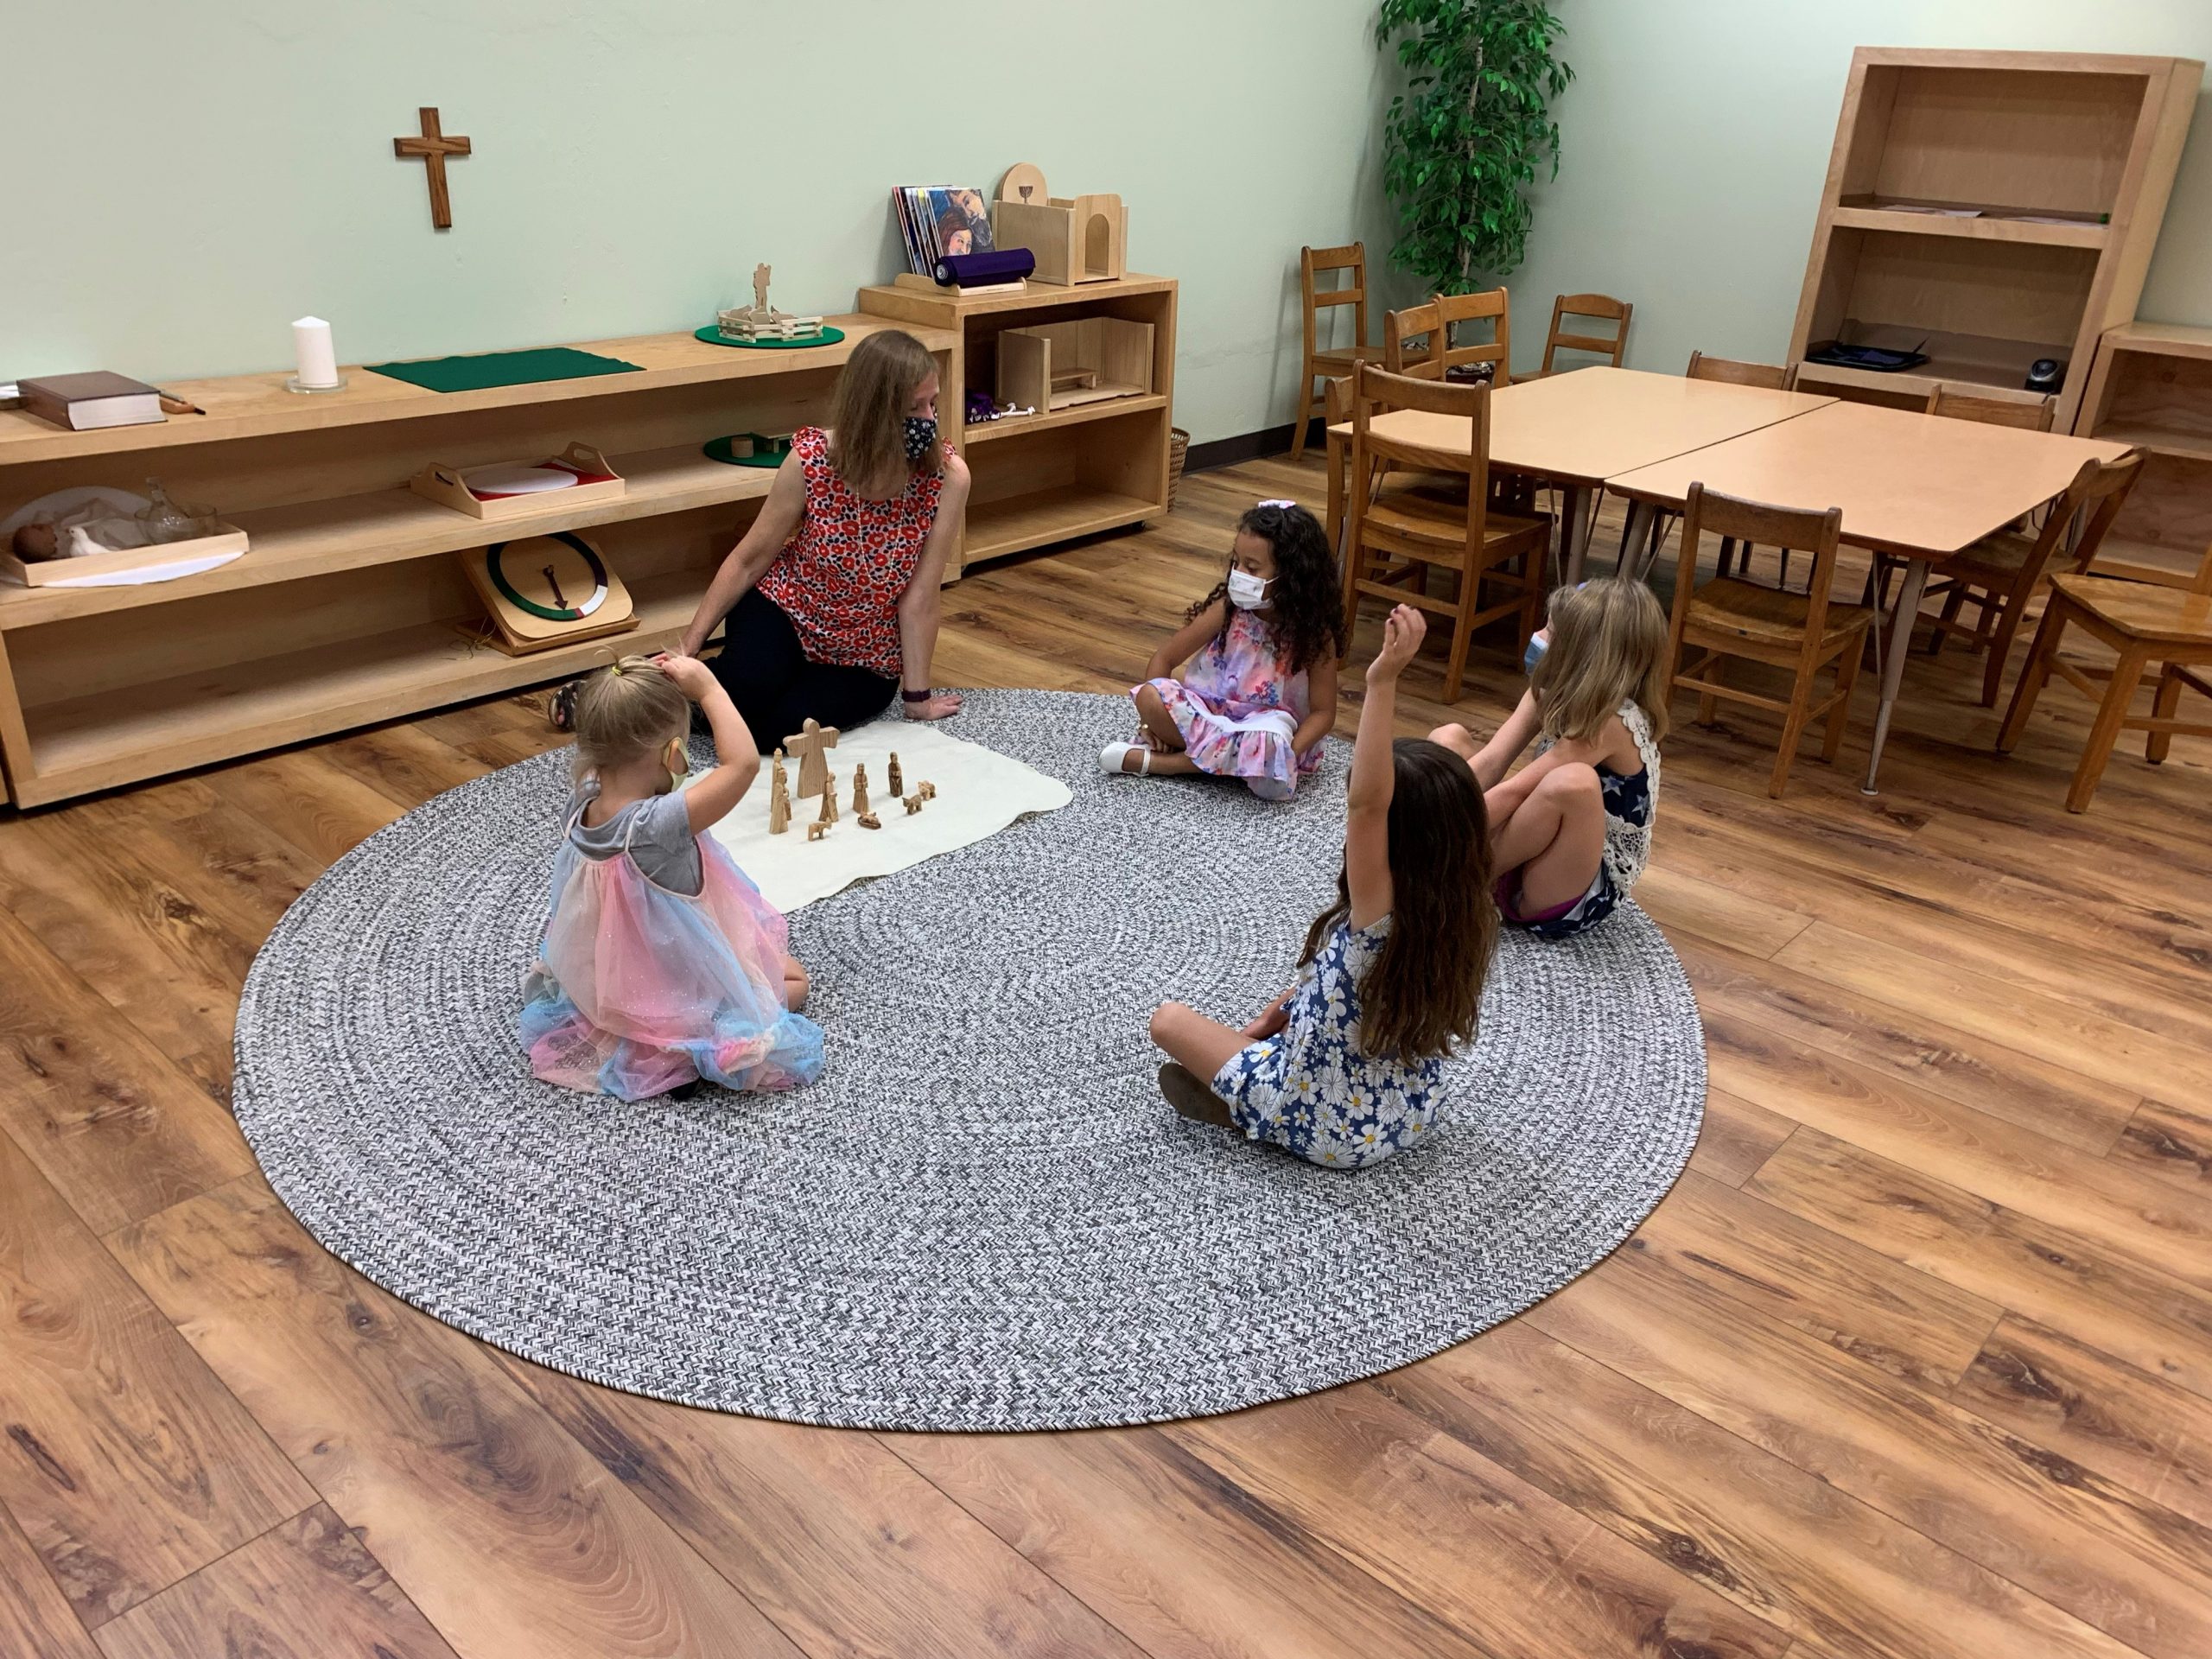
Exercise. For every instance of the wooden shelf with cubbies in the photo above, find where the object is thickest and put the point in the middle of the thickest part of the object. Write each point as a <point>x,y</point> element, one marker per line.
<point>1061,472</point>
<point>349,606</point>
<point>2041,179</point>
<point>2152,387</point>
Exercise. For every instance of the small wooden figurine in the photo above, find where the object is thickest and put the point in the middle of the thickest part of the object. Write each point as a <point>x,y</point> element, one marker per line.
<point>780,798</point>
<point>816,830</point>
<point>811,745</point>
<point>928,790</point>
<point>897,783</point>
<point>859,791</point>
<point>828,814</point>
<point>869,821</point>
<point>913,804</point>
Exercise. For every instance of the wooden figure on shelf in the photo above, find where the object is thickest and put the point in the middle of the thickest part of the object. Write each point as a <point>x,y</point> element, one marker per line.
<point>912,803</point>
<point>897,783</point>
<point>859,791</point>
<point>869,821</point>
<point>780,798</point>
<point>829,813</point>
<point>811,745</point>
<point>816,830</point>
<point>927,790</point>
<point>763,321</point>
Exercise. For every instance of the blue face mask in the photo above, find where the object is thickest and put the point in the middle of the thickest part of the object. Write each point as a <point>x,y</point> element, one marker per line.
<point>1537,646</point>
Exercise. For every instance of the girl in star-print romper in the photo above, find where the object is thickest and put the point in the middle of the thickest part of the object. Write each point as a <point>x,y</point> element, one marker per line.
<point>1346,1067</point>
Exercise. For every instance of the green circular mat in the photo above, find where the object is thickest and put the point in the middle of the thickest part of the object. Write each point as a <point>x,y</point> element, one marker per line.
<point>718,449</point>
<point>712,334</point>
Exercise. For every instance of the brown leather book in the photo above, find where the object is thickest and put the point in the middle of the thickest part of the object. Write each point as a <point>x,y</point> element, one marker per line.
<point>83,403</point>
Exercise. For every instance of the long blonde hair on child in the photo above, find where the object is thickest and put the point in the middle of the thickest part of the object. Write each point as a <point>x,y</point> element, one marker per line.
<point>627,711</point>
<point>1608,646</point>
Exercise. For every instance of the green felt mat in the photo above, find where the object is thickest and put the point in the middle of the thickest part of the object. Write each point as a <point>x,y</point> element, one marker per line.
<point>713,336</point>
<point>718,449</point>
<point>487,369</point>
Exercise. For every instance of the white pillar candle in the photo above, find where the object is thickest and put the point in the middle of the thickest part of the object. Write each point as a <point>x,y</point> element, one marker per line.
<point>316,356</point>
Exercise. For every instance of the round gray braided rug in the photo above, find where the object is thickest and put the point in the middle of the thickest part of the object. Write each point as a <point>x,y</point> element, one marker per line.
<point>982,1217</point>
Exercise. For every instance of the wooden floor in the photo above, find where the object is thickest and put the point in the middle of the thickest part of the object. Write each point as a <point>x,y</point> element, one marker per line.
<point>1917,1359</point>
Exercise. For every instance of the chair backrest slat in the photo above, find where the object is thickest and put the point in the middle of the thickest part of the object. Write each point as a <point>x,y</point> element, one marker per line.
<point>1600,306</point>
<point>1315,299</point>
<point>2030,415</point>
<point>1734,371</point>
<point>1431,323</point>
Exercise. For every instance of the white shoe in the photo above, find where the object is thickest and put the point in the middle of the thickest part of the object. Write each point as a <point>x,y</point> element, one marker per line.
<point>1110,758</point>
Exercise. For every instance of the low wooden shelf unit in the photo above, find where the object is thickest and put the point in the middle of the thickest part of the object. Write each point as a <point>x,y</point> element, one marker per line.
<point>2152,387</point>
<point>1050,477</point>
<point>347,607</point>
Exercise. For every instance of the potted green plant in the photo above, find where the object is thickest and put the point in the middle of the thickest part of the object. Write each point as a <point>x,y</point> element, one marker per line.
<point>1463,142</point>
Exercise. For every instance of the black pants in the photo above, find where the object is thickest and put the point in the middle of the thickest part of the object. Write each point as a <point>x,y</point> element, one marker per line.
<point>776,689</point>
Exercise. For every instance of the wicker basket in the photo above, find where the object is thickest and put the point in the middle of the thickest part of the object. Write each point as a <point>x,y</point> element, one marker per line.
<point>1179,445</point>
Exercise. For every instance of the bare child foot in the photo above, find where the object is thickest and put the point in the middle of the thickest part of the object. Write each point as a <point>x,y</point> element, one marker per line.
<point>1182,1089</point>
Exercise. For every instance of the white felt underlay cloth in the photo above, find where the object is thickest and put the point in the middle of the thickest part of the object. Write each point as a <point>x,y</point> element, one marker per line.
<point>979,793</point>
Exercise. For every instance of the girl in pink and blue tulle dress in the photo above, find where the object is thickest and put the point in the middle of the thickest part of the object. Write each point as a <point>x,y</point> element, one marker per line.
<point>1260,693</point>
<point>661,964</point>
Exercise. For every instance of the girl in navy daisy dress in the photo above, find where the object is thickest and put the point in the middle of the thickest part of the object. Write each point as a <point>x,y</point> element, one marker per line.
<point>1259,692</point>
<point>1346,1068</point>
<point>1571,829</point>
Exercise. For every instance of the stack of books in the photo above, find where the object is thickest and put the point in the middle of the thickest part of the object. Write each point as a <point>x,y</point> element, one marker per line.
<point>935,219</point>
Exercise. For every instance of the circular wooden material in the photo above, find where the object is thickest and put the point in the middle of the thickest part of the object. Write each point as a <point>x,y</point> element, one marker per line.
<point>556,578</point>
<point>712,334</point>
<point>722,449</point>
<point>1020,176</point>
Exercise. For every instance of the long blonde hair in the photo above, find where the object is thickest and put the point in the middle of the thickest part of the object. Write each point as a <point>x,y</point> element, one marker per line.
<point>625,711</point>
<point>1608,646</point>
<point>868,411</point>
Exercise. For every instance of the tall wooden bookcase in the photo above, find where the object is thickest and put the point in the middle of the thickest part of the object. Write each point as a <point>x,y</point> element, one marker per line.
<point>2066,160</point>
<point>1039,478</point>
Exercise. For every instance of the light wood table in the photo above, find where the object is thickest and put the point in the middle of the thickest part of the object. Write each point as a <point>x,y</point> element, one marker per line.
<point>1576,430</point>
<point>1918,487</point>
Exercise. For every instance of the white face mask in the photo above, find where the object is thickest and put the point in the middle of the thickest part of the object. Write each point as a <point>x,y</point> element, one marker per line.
<point>1246,591</point>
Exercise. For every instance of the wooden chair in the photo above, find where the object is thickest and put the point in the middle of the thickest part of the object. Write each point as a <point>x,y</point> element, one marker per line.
<point>2142,622</point>
<point>1729,617</point>
<point>2030,415</point>
<point>1603,307</point>
<point>1418,340</point>
<point>1395,539</point>
<point>1734,372</point>
<point>1999,573</point>
<point>1335,360</point>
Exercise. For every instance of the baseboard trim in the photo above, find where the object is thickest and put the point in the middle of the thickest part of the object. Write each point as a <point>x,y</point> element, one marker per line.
<point>1245,446</point>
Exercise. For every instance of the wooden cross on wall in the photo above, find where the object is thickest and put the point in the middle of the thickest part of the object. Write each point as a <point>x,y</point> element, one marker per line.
<point>433,147</point>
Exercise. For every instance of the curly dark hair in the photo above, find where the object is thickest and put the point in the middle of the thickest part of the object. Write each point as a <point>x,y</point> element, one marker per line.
<point>1305,606</point>
<point>1423,992</point>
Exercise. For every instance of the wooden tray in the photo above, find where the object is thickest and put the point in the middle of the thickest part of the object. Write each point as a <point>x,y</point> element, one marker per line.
<point>443,483</point>
<point>44,573</point>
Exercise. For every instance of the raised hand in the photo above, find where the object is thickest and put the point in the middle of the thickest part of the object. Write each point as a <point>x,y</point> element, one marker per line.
<point>1402,632</point>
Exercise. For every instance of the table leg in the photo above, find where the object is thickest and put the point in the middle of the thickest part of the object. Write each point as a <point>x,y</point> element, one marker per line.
<point>1908,613</point>
<point>1336,520</point>
<point>1574,531</point>
<point>1634,537</point>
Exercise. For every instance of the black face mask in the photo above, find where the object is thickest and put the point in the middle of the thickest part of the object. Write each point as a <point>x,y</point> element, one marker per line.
<point>921,432</point>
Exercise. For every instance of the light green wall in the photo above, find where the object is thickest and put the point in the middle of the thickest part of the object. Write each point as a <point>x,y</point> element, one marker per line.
<point>1696,136</point>
<point>635,158</point>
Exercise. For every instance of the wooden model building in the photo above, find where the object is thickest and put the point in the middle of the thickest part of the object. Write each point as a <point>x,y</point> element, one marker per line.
<point>761,320</point>
<point>1075,238</point>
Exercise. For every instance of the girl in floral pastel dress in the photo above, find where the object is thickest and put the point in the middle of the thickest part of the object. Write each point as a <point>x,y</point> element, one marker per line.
<point>1346,1068</point>
<point>1261,690</point>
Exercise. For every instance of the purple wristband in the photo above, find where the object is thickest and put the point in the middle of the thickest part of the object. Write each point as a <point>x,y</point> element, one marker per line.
<point>923,696</point>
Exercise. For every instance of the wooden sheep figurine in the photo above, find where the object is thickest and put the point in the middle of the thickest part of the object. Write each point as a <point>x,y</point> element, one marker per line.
<point>928,790</point>
<point>869,821</point>
<point>816,830</point>
<point>913,804</point>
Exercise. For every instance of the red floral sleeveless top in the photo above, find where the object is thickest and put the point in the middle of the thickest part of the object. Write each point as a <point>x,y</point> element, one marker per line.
<point>841,575</point>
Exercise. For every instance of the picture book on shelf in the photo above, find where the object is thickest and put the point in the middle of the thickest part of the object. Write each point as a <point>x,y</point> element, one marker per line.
<point>935,219</point>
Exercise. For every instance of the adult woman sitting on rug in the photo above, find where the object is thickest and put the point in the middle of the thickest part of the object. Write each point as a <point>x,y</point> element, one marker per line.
<point>830,598</point>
